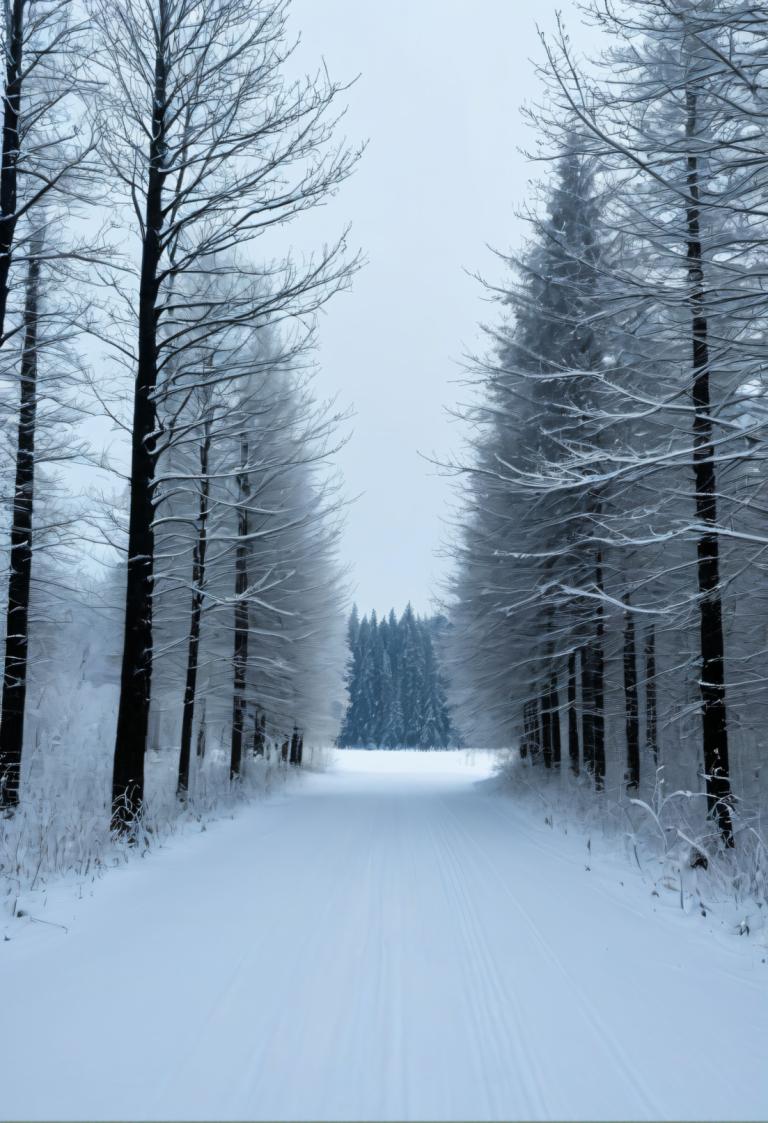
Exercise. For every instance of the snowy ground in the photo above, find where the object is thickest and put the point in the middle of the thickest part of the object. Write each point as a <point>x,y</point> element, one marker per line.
<point>388,940</point>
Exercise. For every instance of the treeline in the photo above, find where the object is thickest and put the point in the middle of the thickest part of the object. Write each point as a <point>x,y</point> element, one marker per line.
<point>609,610</point>
<point>180,116</point>
<point>397,695</point>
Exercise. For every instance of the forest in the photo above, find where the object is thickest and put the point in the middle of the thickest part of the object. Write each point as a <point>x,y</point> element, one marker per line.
<point>396,686</point>
<point>173,602</point>
<point>184,600</point>
<point>234,884</point>
<point>608,604</point>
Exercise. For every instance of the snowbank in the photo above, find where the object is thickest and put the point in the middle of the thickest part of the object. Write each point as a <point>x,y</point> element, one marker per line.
<point>665,836</point>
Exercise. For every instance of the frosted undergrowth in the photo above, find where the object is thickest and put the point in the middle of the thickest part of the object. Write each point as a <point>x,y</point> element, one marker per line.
<point>665,835</point>
<point>61,830</point>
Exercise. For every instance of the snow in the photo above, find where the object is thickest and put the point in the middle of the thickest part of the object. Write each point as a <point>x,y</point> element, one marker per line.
<point>390,939</point>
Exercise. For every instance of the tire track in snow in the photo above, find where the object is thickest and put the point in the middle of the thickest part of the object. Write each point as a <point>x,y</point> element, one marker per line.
<point>323,958</point>
<point>508,814</point>
<point>612,1048</point>
<point>301,940</point>
<point>378,993</point>
<point>378,945</point>
<point>488,995</point>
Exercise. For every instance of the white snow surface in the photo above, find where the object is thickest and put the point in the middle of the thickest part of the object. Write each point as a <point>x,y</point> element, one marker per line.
<point>390,939</point>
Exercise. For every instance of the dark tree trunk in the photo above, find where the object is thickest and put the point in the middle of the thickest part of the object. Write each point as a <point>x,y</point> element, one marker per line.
<point>598,681</point>
<point>200,746</point>
<point>712,641</point>
<point>525,738</point>
<point>294,755</point>
<point>531,745</point>
<point>651,719</point>
<point>300,751</point>
<point>196,614</point>
<point>20,578</point>
<point>259,734</point>
<point>630,701</point>
<point>587,709</point>
<point>10,155</point>
<point>546,727</point>
<point>136,670</point>
<point>284,752</point>
<point>573,717</point>
<point>554,720</point>
<point>240,655</point>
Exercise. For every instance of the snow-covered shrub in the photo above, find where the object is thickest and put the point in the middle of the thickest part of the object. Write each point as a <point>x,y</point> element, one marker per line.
<point>62,826</point>
<point>666,834</point>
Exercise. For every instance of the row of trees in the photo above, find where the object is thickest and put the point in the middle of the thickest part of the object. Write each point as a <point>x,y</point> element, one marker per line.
<point>180,115</point>
<point>608,603</point>
<point>397,696</point>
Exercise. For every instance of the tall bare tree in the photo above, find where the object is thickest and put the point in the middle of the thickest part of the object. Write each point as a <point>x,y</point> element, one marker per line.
<point>45,167</point>
<point>45,146</point>
<point>214,149</point>
<point>20,579</point>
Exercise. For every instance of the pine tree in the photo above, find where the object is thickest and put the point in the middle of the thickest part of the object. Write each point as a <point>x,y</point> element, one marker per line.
<point>529,511</point>
<point>397,694</point>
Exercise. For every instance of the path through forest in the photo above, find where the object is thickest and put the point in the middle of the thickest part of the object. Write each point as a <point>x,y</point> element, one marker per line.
<point>385,940</point>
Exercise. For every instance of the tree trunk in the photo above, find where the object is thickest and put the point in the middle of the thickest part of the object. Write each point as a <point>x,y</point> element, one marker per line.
<point>240,656</point>
<point>587,709</point>
<point>20,577</point>
<point>554,719</point>
<point>546,727</point>
<point>14,46</point>
<point>531,730</point>
<point>598,681</point>
<point>651,719</point>
<point>200,746</point>
<point>525,739</point>
<point>300,751</point>
<point>294,754</point>
<point>573,718</point>
<point>259,734</point>
<point>712,641</point>
<point>136,670</point>
<point>631,707</point>
<point>196,613</point>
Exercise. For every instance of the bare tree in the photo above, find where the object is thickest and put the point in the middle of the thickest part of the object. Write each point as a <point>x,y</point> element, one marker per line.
<point>199,558</point>
<point>240,629</point>
<point>631,706</point>
<point>19,583</point>
<point>214,149</point>
<point>45,147</point>
<point>44,370</point>
<point>45,168</point>
<point>667,136</point>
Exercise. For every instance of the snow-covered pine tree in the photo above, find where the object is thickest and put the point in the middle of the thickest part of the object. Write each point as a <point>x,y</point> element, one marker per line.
<point>397,696</point>
<point>529,511</point>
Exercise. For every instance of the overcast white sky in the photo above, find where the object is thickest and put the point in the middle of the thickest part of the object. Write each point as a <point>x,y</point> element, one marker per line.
<point>441,83</point>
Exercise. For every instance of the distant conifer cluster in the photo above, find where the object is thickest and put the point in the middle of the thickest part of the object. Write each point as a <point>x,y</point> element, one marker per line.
<point>397,696</point>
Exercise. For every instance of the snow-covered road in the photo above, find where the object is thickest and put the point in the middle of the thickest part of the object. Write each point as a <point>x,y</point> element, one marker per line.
<point>385,941</point>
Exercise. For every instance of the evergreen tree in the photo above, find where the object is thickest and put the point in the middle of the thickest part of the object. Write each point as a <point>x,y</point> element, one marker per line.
<point>353,628</point>
<point>397,694</point>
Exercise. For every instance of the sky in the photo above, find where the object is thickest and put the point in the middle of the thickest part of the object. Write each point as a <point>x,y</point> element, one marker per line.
<point>438,100</point>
